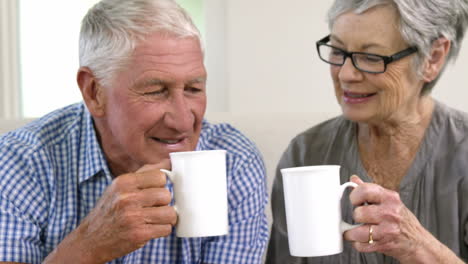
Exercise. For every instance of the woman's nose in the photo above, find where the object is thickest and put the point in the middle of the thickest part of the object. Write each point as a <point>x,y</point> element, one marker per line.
<point>348,72</point>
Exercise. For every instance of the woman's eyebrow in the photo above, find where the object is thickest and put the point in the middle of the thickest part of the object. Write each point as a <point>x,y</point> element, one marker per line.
<point>335,38</point>
<point>363,47</point>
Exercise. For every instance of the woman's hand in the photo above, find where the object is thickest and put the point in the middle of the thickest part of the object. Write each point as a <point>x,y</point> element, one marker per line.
<point>396,231</point>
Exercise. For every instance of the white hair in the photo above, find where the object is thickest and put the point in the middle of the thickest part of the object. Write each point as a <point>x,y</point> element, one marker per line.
<point>111,30</point>
<point>421,23</point>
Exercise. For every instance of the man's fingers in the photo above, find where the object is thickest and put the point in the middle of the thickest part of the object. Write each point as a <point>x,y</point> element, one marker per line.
<point>151,197</point>
<point>164,164</point>
<point>150,179</point>
<point>164,215</point>
<point>157,231</point>
<point>151,176</point>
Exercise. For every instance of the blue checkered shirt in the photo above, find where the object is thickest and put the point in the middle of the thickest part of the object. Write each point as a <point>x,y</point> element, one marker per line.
<point>53,171</point>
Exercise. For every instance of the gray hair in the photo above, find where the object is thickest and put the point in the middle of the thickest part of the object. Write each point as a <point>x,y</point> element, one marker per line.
<point>111,30</point>
<point>421,23</point>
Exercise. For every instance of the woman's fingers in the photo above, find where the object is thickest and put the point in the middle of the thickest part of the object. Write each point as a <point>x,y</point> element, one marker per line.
<point>363,234</point>
<point>368,213</point>
<point>368,193</point>
<point>354,178</point>
<point>388,226</point>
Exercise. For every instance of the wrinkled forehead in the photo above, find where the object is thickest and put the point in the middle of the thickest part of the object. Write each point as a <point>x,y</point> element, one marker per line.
<point>378,25</point>
<point>345,6</point>
<point>162,38</point>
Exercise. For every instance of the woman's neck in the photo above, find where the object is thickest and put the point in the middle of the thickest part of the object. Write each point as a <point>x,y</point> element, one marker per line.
<point>403,128</point>
<point>388,148</point>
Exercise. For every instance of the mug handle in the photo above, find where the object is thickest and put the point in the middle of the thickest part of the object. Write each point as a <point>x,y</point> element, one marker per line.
<point>343,225</point>
<point>171,176</point>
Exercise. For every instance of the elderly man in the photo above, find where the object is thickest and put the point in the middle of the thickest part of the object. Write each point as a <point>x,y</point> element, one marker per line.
<point>83,184</point>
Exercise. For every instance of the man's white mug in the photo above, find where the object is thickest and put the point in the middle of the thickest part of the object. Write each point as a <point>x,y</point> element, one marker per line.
<point>200,192</point>
<point>312,197</point>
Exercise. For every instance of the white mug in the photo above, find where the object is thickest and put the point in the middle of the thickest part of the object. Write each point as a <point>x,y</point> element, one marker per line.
<point>200,192</point>
<point>312,197</point>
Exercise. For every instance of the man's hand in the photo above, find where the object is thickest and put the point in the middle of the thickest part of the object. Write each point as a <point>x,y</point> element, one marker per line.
<point>133,210</point>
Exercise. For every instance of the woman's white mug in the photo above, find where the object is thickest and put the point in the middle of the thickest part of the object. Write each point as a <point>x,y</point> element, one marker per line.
<point>312,197</point>
<point>200,192</point>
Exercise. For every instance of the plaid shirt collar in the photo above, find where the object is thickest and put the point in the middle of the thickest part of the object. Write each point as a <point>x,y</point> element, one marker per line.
<point>92,156</point>
<point>95,162</point>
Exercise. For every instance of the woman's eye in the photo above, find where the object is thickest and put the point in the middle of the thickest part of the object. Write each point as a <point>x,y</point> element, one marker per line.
<point>372,59</point>
<point>336,52</point>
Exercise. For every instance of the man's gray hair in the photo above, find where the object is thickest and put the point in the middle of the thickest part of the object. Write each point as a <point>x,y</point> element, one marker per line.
<point>421,22</point>
<point>111,30</point>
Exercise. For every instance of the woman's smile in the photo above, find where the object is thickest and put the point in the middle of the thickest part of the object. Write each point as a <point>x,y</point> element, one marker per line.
<point>357,98</point>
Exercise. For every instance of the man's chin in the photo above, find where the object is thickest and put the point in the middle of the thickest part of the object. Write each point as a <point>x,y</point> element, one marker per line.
<point>160,156</point>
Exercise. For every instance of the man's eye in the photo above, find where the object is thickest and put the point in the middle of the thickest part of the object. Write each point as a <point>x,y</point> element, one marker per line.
<point>156,92</point>
<point>192,89</point>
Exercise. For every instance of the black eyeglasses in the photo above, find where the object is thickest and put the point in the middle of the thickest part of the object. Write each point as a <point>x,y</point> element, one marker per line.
<point>366,62</point>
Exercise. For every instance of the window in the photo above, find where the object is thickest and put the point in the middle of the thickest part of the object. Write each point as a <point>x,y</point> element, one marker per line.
<point>195,8</point>
<point>49,51</point>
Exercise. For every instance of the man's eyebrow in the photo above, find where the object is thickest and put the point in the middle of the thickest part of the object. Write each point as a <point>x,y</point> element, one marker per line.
<point>151,82</point>
<point>197,80</point>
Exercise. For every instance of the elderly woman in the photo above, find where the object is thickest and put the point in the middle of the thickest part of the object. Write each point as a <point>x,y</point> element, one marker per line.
<point>410,151</point>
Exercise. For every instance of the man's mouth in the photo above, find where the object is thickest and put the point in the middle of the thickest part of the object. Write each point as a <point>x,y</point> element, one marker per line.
<point>168,141</point>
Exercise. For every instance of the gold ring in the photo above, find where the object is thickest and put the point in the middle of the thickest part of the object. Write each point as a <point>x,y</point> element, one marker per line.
<point>371,239</point>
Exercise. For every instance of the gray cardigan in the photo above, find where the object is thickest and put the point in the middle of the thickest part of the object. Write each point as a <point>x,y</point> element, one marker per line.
<point>435,188</point>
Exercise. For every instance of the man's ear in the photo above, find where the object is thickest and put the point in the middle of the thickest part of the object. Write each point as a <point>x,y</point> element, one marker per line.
<point>91,91</point>
<point>437,58</point>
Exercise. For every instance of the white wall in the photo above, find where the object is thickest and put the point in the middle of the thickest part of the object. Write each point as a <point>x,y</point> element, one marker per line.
<point>272,65</point>
<point>9,60</point>
<point>261,57</point>
<point>215,55</point>
<point>49,53</point>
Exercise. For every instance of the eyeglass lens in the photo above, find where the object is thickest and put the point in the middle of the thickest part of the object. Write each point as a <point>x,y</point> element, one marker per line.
<point>362,61</point>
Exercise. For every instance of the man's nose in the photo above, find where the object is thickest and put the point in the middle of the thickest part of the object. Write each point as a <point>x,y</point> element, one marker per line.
<point>179,115</point>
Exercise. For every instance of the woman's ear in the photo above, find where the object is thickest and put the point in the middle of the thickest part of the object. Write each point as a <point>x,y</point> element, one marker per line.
<point>437,58</point>
<point>91,91</point>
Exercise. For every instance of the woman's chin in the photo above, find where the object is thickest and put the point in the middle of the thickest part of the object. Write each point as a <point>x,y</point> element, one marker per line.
<point>356,117</point>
